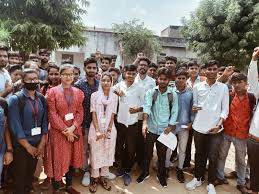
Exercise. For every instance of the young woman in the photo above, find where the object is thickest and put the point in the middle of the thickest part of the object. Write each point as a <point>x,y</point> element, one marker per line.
<point>102,133</point>
<point>65,142</point>
<point>53,79</point>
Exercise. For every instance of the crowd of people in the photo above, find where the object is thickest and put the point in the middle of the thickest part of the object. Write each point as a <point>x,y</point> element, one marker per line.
<point>109,119</point>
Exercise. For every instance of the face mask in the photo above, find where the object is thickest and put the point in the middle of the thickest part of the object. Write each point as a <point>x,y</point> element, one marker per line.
<point>31,86</point>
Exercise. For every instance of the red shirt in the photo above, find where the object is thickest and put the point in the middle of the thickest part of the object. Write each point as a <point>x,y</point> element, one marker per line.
<point>238,121</point>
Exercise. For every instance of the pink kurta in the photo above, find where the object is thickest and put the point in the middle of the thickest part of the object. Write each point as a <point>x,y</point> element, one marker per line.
<point>60,153</point>
<point>102,151</point>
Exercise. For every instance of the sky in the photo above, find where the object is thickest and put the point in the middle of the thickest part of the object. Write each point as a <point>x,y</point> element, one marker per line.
<point>156,14</point>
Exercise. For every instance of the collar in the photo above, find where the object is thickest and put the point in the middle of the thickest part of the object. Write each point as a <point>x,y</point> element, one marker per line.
<point>95,81</point>
<point>25,93</point>
<point>206,83</point>
<point>168,90</point>
<point>138,77</point>
<point>180,92</point>
<point>125,85</point>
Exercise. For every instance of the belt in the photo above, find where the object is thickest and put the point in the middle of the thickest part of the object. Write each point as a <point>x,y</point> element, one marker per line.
<point>254,137</point>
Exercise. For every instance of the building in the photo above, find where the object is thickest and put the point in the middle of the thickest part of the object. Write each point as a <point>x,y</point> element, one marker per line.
<point>101,39</point>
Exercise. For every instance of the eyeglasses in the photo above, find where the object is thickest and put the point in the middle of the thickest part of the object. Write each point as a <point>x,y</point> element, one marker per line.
<point>67,75</point>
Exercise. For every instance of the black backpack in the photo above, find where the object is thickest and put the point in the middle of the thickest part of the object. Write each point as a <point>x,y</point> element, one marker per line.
<point>169,96</point>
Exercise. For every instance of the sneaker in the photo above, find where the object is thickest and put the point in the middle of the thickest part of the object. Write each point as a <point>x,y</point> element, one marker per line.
<point>143,177</point>
<point>180,175</point>
<point>162,181</point>
<point>127,179</point>
<point>211,189</point>
<point>111,176</point>
<point>193,184</point>
<point>86,179</point>
<point>243,189</point>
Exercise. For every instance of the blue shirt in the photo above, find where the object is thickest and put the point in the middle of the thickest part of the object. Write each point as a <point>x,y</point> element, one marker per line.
<point>88,90</point>
<point>185,115</point>
<point>22,123</point>
<point>159,115</point>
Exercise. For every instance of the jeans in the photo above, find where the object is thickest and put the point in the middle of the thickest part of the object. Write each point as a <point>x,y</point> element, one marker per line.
<point>86,150</point>
<point>207,148</point>
<point>240,154</point>
<point>161,154</point>
<point>253,153</point>
<point>188,153</point>
<point>140,145</point>
<point>1,166</point>
<point>24,168</point>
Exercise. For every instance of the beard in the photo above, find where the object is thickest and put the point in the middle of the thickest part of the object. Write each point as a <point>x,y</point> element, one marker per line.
<point>44,60</point>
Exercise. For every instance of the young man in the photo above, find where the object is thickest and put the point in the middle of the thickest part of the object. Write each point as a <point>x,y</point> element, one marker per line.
<point>88,85</point>
<point>77,73</point>
<point>160,114</point>
<point>194,79</point>
<point>113,58</point>
<point>170,64</point>
<point>5,79</point>
<point>105,64</point>
<point>13,57</point>
<point>161,63</point>
<point>184,119</point>
<point>236,129</point>
<point>16,75</point>
<point>211,102</point>
<point>29,129</point>
<point>44,63</point>
<point>115,73</point>
<point>253,142</point>
<point>146,83</point>
<point>130,104</point>
<point>152,70</point>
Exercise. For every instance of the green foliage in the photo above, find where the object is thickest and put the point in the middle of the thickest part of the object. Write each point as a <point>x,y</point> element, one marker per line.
<point>5,36</point>
<point>136,38</point>
<point>225,30</point>
<point>35,24</point>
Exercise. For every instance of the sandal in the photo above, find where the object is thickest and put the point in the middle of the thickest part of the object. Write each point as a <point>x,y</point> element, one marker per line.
<point>104,183</point>
<point>93,185</point>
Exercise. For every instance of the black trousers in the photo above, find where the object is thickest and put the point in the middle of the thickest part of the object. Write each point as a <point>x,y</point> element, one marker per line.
<point>161,154</point>
<point>126,145</point>
<point>24,167</point>
<point>253,152</point>
<point>207,148</point>
<point>140,145</point>
<point>188,152</point>
<point>69,178</point>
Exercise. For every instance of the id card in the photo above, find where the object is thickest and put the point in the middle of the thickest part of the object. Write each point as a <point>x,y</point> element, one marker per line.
<point>35,131</point>
<point>69,116</point>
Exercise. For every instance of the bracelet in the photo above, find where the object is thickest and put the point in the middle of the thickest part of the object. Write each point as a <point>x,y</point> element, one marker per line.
<point>9,150</point>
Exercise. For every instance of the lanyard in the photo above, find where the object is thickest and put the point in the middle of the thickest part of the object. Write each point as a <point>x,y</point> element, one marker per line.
<point>68,98</point>
<point>105,107</point>
<point>35,111</point>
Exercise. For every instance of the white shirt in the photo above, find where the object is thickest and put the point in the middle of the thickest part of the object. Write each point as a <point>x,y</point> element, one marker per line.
<point>214,103</point>
<point>4,79</point>
<point>133,97</point>
<point>189,82</point>
<point>146,84</point>
<point>252,78</point>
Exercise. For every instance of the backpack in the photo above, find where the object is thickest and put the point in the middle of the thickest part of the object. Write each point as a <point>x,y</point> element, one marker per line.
<point>252,102</point>
<point>169,96</point>
<point>21,100</point>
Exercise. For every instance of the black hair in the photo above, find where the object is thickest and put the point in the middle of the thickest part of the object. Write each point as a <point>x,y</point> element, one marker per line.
<point>181,66</point>
<point>192,63</point>
<point>238,77</point>
<point>13,68</point>
<point>164,71</point>
<point>153,65</point>
<point>114,57</point>
<point>44,51</point>
<point>129,67</point>
<point>222,68</point>
<point>161,61</point>
<point>211,63</point>
<point>107,74</point>
<point>172,58</point>
<point>52,67</point>
<point>33,56</point>
<point>28,71</point>
<point>3,47</point>
<point>90,60</point>
<point>106,58</point>
<point>77,68</point>
<point>115,70</point>
<point>203,66</point>
<point>13,54</point>
<point>182,72</point>
<point>65,67</point>
<point>145,59</point>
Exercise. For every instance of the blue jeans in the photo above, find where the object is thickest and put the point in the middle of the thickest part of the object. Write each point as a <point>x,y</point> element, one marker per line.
<point>1,165</point>
<point>240,154</point>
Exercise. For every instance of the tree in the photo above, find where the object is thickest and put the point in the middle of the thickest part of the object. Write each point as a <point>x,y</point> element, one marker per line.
<point>136,38</point>
<point>35,24</point>
<point>225,30</point>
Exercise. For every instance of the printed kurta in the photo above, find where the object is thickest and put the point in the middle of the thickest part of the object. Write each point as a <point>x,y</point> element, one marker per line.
<point>60,153</point>
<point>102,151</point>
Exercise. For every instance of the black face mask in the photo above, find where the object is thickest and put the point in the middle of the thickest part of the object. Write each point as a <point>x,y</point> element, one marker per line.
<point>31,86</point>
